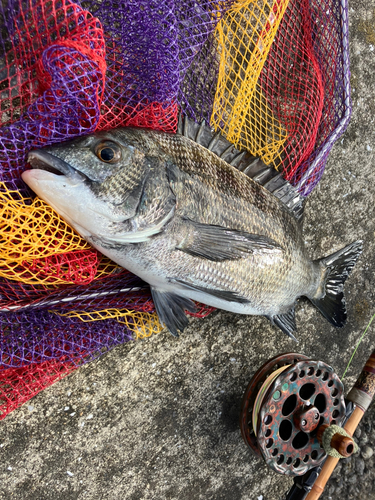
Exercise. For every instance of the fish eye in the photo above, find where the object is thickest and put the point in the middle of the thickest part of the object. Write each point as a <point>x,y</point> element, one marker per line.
<point>109,152</point>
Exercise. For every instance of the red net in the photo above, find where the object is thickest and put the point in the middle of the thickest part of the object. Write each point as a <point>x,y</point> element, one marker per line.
<point>55,66</point>
<point>78,267</point>
<point>18,385</point>
<point>294,97</point>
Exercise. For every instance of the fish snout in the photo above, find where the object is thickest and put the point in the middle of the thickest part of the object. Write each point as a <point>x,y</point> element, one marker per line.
<point>42,160</point>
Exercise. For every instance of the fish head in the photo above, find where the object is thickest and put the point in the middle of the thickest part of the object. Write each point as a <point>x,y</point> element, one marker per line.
<point>95,183</point>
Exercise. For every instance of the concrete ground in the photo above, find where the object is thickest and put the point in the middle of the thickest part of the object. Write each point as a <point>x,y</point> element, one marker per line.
<point>158,419</point>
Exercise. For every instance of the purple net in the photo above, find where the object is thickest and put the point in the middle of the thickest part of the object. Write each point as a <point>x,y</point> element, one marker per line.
<point>31,313</point>
<point>47,336</point>
<point>150,47</point>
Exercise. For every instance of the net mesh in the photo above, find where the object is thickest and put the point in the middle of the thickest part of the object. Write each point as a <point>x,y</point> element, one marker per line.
<point>18,385</point>
<point>271,75</point>
<point>39,247</point>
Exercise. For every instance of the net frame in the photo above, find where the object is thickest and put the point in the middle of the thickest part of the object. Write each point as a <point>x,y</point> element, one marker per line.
<point>141,111</point>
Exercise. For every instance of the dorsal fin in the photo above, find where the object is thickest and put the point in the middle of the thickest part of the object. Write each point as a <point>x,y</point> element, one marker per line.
<point>250,165</point>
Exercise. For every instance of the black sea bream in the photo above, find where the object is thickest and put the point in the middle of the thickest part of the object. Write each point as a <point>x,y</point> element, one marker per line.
<point>194,227</point>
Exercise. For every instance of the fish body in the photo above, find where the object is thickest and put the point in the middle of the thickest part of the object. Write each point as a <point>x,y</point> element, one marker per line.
<point>190,224</point>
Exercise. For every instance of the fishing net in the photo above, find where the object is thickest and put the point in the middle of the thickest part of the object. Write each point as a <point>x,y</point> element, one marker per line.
<point>271,75</point>
<point>18,385</point>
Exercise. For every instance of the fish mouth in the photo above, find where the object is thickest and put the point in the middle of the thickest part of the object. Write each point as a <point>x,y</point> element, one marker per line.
<point>41,160</point>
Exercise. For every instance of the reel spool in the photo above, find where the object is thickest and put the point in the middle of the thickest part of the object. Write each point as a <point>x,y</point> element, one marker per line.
<point>284,405</point>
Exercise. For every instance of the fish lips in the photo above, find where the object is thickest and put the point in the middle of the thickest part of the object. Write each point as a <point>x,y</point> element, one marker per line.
<point>42,160</point>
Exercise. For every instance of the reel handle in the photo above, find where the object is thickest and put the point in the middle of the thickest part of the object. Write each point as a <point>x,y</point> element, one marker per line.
<point>343,444</point>
<point>361,395</point>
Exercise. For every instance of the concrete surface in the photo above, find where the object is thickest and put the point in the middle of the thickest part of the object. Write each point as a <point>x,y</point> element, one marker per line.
<point>158,419</point>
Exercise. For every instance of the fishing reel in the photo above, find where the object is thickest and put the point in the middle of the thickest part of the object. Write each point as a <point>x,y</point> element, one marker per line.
<point>287,405</point>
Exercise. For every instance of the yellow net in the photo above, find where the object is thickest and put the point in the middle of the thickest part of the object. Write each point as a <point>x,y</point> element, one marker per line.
<point>35,241</point>
<point>240,110</point>
<point>142,324</point>
<point>31,229</point>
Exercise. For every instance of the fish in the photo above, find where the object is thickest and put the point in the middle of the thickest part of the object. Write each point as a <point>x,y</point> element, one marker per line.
<point>195,218</point>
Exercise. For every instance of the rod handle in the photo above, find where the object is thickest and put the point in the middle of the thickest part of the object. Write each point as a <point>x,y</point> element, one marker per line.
<point>331,462</point>
<point>363,391</point>
<point>361,395</point>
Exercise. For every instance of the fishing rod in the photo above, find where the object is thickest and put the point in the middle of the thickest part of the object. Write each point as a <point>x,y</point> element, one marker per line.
<point>295,417</point>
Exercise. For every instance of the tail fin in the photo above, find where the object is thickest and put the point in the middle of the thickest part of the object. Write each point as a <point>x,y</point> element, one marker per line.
<point>338,267</point>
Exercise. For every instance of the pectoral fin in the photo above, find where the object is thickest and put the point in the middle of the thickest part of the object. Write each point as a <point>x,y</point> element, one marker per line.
<point>171,309</point>
<point>217,243</point>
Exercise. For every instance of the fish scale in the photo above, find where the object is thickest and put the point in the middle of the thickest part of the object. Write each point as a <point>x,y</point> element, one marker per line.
<point>173,211</point>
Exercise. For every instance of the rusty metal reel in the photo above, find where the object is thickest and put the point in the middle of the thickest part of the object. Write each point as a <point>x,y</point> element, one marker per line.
<point>285,403</point>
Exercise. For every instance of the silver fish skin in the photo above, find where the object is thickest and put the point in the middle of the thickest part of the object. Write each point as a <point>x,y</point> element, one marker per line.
<point>189,224</point>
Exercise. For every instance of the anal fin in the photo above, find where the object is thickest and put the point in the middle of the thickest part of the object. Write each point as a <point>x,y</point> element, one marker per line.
<point>171,309</point>
<point>286,323</point>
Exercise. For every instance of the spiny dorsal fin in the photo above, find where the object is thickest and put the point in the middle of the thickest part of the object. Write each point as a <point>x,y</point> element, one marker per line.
<point>250,165</point>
